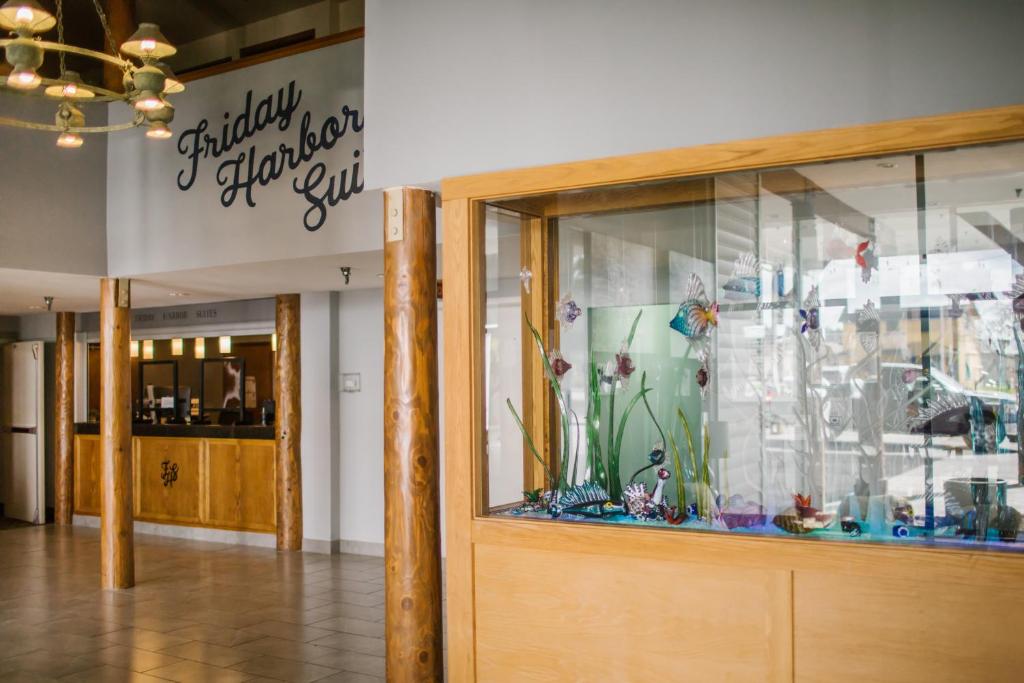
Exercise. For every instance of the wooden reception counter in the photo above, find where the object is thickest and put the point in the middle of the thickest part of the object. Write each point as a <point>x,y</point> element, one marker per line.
<point>202,475</point>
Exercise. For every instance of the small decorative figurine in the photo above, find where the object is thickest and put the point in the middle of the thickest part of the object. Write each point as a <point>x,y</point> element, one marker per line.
<point>703,375</point>
<point>850,526</point>
<point>868,326</point>
<point>624,366</point>
<point>567,310</point>
<point>745,282</point>
<point>659,489</point>
<point>559,365</point>
<point>525,275</point>
<point>636,499</point>
<point>810,315</point>
<point>697,314</point>
<point>866,259</point>
<point>674,515</point>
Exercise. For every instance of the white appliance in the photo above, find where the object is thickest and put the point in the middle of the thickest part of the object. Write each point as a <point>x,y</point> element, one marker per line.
<point>22,432</point>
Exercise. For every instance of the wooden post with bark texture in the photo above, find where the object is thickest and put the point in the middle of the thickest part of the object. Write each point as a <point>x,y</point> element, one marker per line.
<point>64,420</point>
<point>288,424</point>
<point>412,552</point>
<point>121,19</point>
<point>117,543</point>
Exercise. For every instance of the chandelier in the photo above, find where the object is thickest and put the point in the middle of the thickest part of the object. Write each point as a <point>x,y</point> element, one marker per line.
<point>147,80</point>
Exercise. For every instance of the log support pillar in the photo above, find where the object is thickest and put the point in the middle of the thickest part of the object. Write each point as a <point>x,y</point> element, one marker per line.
<point>412,553</point>
<point>288,424</point>
<point>117,546</point>
<point>64,419</point>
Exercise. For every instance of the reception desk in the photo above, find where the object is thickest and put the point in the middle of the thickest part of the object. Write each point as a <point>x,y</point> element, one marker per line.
<point>207,476</point>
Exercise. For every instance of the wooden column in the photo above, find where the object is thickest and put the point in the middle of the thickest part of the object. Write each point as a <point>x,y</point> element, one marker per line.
<point>121,18</point>
<point>412,550</point>
<point>538,244</point>
<point>64,419</point>
<point>288,424</point>
<point>117,546</point>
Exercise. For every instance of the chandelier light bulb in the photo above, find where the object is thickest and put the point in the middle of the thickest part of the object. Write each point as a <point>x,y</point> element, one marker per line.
<point>149,102</point>
<point>158,131</point>
<point>26,17</point>
<point>69,140</point>
<point>24,79</point>
<point>147,45</point>
<point>70,90</point>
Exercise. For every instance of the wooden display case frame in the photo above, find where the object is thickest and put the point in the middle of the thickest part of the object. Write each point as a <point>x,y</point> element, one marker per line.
<point>538,600</point>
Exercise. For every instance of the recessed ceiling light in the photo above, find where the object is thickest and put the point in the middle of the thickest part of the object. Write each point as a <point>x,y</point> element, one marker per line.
<point>180,294</point>
<point>886,164</point>
<point>380,274</point>
<point>36,307</point>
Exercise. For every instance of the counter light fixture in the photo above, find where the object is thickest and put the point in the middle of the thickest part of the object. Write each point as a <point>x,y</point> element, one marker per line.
<point>147,349</point>
<point>200,347</point>
<point>147,80</point>
<point>224,343</point>
<point>133,348</point>
<point>177,347</point>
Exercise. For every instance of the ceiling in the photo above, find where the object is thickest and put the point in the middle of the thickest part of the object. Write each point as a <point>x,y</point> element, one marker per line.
<point>182,21</point>
<point>23,290</point>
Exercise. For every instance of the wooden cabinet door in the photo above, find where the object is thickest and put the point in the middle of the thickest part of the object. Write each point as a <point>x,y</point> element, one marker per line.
<point>87,474</point>
<point>240,489</point>
<point>168,479</point>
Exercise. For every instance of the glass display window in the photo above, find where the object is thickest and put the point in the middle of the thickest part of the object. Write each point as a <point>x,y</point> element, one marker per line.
<point>827,351</point>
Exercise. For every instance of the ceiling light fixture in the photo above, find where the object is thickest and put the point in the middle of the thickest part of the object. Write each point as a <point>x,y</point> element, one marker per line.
<point>147,80</point>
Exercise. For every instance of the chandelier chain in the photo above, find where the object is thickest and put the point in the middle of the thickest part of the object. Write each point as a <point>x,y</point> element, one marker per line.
<point>60,34</point>
<point>106,30</point>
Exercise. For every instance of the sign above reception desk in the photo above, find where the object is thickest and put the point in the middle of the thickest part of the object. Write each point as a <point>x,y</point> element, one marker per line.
<point>238,314</point>
<point>265,163</point>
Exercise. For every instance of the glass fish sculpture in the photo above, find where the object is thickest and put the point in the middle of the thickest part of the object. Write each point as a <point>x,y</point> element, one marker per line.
<point>559,365</point>
<point>703,374</point>
<point>525,276</point>
<point>567,311</point>
<point>868,325</point>
<point>811,326</point>
<point>696,315</point>
<point>866,259</point>
<point>745,282</point>
<point>624,366</point>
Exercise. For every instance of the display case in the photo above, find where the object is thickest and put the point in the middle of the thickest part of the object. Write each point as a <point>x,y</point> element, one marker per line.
<point>684,367</point>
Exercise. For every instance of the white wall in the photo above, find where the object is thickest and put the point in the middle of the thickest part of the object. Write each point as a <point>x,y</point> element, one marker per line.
<point>318,313</point>
<point>361,431</point>
<point>498,84</point>
<point>53,215</point>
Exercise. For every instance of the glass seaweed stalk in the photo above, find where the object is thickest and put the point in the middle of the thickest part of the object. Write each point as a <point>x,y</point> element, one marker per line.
<point>598,475</point>
<point>563,411</point>
<point>647,405</point>
<point>614,477</point>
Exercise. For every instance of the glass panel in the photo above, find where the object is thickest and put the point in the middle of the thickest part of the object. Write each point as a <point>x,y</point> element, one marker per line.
<point>827,351</point>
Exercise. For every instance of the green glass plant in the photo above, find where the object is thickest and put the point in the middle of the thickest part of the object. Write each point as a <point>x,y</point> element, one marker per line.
<point>615,436</point>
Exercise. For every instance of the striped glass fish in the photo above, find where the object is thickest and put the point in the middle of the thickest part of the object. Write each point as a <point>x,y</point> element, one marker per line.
<point>696,315</point>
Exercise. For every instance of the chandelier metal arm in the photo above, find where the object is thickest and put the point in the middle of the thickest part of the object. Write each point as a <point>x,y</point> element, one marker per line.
<point>74,49</point>
<point>18,123</point>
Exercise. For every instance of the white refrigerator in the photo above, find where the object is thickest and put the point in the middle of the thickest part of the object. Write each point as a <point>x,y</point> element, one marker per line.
<point>22,432</point>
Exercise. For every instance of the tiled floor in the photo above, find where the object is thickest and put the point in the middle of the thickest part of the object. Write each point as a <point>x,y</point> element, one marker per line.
<point>199,612</point>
